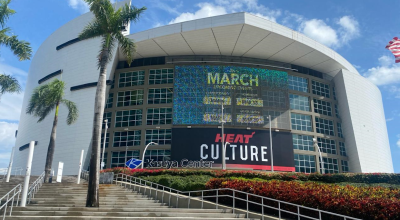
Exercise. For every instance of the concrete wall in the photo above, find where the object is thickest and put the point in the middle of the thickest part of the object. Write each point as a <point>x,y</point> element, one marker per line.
<point>363,124</point>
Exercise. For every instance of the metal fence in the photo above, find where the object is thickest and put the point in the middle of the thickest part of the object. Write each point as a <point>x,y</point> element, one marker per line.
<point>35,186</point>
<point>8,200</point>
<point>215,195</point>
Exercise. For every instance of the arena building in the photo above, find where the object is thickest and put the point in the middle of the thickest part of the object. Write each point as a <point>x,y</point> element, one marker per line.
<point>173,92</point>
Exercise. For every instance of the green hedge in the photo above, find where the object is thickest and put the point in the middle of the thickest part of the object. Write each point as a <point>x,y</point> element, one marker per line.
<point>367,178</point>
<point>183,183</point>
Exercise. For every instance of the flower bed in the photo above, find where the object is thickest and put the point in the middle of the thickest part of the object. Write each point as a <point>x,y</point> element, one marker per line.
<point>360,202</point>
<point>325,178</point>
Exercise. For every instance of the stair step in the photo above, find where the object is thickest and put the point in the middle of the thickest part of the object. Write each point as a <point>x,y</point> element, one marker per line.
<point>163,209</point>
<point>111,218</point>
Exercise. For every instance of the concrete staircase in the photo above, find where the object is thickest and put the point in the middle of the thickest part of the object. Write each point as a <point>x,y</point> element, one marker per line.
<point>67,201</point>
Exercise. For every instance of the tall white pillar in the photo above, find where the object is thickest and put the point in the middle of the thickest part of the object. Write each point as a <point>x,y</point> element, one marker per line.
<point>27,174</point>
<point>80,167</point>
<point>10,166</point>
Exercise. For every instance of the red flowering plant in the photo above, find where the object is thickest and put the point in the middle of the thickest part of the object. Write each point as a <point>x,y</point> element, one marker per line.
<point>360,202</point>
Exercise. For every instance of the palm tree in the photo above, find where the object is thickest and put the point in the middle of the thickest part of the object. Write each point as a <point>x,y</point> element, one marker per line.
<point>107,24</point>
<point>44,99</point>
<point>20,48</point>
<point>8,84</point>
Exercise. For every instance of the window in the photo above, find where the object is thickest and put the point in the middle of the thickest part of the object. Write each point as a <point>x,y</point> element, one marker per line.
<point>134,78</point>
<point>304,163</point>
<point>105,158</point>
<point>339,130</point>
<point>330,165</point>
<point>276,99</point>
<point>106,115</point>
<point>157,155</point>
<point>334,92</point>
<point>320,89</point>
<point>337,111</point>
<point>322,107</point>
<point>303,142</point>
<point>107,139</point>
<point>345,166</point>
<point>110,100</point>
<point>324,126</point>
<point>161,76</point>
<point>160,96</point>
<point>128,98</point>
<point>126,138</point>
<point>159,116</point>
<point>118,159</point>
<point>327,146</point>
<point>301,122</point>
<point>299,102</point>
<point>159,136</point>
<point>298,83</point>
<point>128,118</point>
<point>342,149</point>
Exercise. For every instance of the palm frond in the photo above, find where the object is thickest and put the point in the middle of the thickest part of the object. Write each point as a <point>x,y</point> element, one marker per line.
<point>102,9</point>
<point>130,13</point>
<point>9,84</point>
<point>127,45</point>
<point>73,112</point>
<point>45,98</point>
<point>5,12</point>
<point>20,48</point>
<point>92,30</point>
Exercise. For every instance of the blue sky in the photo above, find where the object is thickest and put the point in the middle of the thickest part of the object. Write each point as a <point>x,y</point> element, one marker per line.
<point>358,30</point>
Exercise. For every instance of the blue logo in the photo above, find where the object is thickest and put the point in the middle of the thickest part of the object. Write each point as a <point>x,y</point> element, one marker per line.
<point>133,163</point>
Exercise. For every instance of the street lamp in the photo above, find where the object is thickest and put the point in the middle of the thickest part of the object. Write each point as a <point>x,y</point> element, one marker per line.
<point>223,157</point>
<point>320,155</point>
<point>144,152</point>
<point>270,143</point>
<point>223,137</point>
<point>104,144</point>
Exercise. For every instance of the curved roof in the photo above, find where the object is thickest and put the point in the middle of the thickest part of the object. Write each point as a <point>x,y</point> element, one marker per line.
<point>239,34</point>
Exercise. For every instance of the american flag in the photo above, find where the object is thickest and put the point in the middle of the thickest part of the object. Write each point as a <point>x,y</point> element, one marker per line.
<point>394,47</point>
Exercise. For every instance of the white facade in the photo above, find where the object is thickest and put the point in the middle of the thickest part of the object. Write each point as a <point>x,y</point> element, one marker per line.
<point>239,34</point>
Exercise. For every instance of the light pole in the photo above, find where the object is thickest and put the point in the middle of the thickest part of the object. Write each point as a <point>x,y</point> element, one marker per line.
<point>223,157</point>
<point>10,166</point>
<point>223,138</point>
<point>320,155</point>
<point>104,144</point>
<point>144,152</point>
<point>270,143</point>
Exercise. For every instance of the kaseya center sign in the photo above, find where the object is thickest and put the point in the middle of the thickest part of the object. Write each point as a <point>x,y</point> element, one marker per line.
<point>247,148</point>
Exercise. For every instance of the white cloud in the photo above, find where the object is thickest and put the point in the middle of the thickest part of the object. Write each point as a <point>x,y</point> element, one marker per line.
<point>206,10</point>
<point>320,31</point>
<point>394,90</point>
<point>7,141</point>
<point>384,74</point>
<point>398,141</point>
<point>349,29</point>
<point>80,5</point>
<point>389,119</point>
<point>220,7</point>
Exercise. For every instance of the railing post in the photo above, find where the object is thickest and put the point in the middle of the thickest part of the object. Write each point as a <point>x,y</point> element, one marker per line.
<point>162,198</point>
<point>202,199</point>
<point>177,199</point>
<point>320,216</point>
<point>169,200</point>
<point>189,201</point>
<point>279,206</point>
<point>216,207</point>
<point>247,204</point>
<point>298,212</point>
<point>262,208</point>
<point>233,210</point>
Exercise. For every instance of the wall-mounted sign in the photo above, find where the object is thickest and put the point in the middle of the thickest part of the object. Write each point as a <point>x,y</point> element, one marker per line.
<point>247,148</point>
<point>184,163</point>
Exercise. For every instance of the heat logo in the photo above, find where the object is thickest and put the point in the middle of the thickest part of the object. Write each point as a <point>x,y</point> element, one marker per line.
<point>234,138</point>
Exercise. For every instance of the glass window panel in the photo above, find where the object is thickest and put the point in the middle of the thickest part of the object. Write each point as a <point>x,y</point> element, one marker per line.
<point>159,136</point>
<point>305,163</point>
<point>321,89</point>
<point>339,130</point>
<point>345,166</point>
<point>128,98</point>
<point>161,76</point>
<point>159,116</point>
<point>303,142</point>
<point>126,138</point>
<point>298,83</point>
<point>134,78</point>
<point>342,149</point>
<point>160,96</point>
<point>330,165</point>
<point>118,159</point>
<point>327,145</point>
<point>128,118</point>
<point>324,126</point>
<point>299,102</point>
<point>301,122</point>
<point>322,107</point>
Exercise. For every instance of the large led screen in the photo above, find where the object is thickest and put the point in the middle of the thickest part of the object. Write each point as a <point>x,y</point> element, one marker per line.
<point>247,148</point>
<point>246,93</point>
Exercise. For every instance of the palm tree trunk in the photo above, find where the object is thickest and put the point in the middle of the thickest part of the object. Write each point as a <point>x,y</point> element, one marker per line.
<point>50,149</point>
<point>92,199</point>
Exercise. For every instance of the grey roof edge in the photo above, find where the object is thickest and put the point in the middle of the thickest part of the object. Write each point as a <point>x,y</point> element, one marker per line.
<point>242,18</point>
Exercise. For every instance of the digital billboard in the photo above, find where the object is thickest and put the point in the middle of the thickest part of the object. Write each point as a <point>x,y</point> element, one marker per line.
<point>247,148</point>
<point>245,92</point>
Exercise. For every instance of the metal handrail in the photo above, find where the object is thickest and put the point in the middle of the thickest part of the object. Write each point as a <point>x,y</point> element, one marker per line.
<point>85,174</point>
<point>16,191</point>
<point>35,186</point>
<point>187,194</point>
<point>20,169</point>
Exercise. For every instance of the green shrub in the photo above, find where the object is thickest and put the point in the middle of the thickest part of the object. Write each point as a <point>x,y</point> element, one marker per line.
<point>183,183</point>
